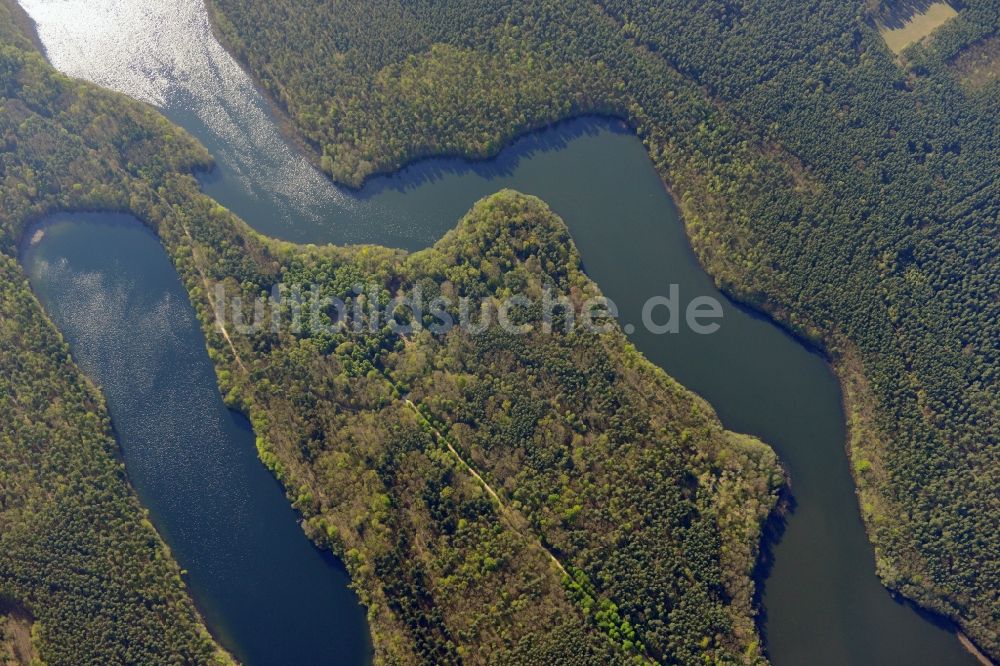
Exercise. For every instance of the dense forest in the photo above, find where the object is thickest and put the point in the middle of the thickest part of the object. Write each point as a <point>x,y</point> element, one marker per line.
<point>850,192</point>
<point>602,485</point>
<point>84,577</point>
<point>551,499</point>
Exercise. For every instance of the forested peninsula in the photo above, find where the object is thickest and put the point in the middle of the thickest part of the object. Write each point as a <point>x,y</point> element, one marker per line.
<point>548,498</point>
<point>846,188</point>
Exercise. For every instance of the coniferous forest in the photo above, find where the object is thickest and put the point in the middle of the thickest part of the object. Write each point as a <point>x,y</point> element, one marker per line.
<point>541,498</point>
<point>611,520</point>
<point>848,191</point>
<point>81,567</point>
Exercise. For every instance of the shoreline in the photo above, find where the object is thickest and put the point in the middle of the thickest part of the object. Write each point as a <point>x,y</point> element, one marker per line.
<point>773,313</point>
<point>27,25</point>
<point>313,152</point>
<point>973,650</point>
<point>826,346</point>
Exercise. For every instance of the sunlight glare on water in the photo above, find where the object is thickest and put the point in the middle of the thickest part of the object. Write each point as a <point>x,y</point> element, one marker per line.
<point>824,604</point>
<point>165,53</point>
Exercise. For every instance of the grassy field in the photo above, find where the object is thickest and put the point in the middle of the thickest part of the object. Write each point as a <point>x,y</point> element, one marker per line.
<point>15,639</point>
<point>979,65</point>
<point>918,26</point>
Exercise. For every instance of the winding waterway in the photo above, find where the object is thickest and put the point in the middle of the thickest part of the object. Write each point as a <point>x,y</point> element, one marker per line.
<point>823,602</point>
<point>265,591</point>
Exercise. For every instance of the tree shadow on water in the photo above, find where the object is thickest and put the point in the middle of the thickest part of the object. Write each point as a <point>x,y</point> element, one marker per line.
<point>548,139</point>
<point>771,535</point>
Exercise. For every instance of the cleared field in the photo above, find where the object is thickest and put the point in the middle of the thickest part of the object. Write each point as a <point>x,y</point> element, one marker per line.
<point>979,64</point>
<point>16,647</point>
<point>917,27</point>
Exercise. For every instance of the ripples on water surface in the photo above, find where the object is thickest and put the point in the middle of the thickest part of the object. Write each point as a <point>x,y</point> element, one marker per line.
<point>824,604</point>
<point>164,53</point>
<point>266,592</point>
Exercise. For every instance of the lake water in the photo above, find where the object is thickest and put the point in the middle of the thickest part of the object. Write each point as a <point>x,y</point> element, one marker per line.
<point>265,591</point>
<point>823,603</point>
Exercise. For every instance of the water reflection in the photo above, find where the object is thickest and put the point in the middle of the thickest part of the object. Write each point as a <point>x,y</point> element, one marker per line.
<point>164,53</point>
<point>266,592</point>
<point>825,605</point>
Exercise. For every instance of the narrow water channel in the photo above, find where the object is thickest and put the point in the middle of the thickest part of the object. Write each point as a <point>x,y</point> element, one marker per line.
<point>823,602</point>
<point>265,591</point>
